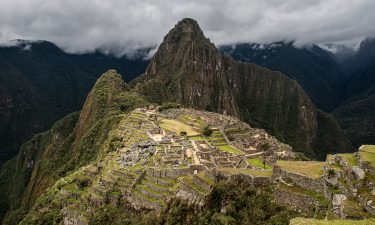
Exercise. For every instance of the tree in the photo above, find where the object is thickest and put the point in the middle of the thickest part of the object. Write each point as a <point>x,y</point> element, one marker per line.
<point>183,133</point>
<point>207,131</point>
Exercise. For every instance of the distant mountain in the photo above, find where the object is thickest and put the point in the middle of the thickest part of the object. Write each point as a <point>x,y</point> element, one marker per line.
<point>189,69</point>
<point>313,67</point>
<point>356,113</point>
<point>337,78</point>
<point>40,83</point>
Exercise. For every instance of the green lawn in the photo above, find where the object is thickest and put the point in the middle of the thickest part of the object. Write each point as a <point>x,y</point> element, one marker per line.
<point>177,127</point>
<point>305,221</point>
<point>228,148</point>
<point>258,163</point>
<point>312,169</point>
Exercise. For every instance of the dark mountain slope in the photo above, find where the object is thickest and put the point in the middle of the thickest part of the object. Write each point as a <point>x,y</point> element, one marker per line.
<point>313,68</point>
<point>356,113</point>
<point>190,70</point>
<point>39,84</point>
<point>73,141</point>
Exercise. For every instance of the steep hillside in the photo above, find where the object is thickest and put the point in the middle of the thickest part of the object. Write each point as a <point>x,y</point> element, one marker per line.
<point>73,142</point>
<point>312,67</point>
<point>39,84</point>
<point>189,69</point>
<point>337,79</point>
<point>356,113</point>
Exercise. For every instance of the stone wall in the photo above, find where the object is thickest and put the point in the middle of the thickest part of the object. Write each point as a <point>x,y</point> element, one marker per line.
<point>170,173</point>
<point>198,181</point>
<point>189,194</point>
<point>305,182</point>
<point>298,201</point>
<point>367,204</point>
<point>72,217</point>
<point>241,178</point>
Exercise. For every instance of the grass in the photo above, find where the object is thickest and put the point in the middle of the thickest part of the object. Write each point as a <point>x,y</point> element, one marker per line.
<point>230,131</point>
<point>350,158</point>
<point>312,169</point>
<point>228,148</point>
<point>177,127</point>
<point>198,138</point>
<point>203,177</point>
<point>354,210</point>
<point>253,172</point>
<point>368,148</point>
<point>258,163</point>
<point>330,157</point>
<point>368,157</point>
<point>188,180</point>
<point>305,221</point>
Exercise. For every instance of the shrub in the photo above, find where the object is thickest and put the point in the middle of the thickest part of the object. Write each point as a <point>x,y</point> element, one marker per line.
<point>170,105</point>
<point>207,131</point>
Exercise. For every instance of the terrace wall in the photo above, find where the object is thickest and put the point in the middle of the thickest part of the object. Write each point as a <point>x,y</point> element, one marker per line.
<point>305,182</point>
<point>302,202</point>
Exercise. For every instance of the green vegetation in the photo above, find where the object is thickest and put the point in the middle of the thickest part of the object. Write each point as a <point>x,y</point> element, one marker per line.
<point>259,163</point>
<point>177,127</point>
<point>368,148</point>
<point>198,138</point>
<point>253,172</point>
<point>354,211</point>
<point>305,221</point>
<point>207,131</point>
<point>312,169</point>
<point>73,142</point>
<point>229,205</point>
<point>350,158</point>
<point>367,153</point>
<point>317,196</point>
<point>169,106</point>
<point>228,148</point>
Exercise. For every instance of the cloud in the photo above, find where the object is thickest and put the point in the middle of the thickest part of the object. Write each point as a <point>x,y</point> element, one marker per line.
<point>124,26</point>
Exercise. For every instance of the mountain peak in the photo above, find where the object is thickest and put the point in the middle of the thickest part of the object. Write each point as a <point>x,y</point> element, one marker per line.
<point>184,31</point>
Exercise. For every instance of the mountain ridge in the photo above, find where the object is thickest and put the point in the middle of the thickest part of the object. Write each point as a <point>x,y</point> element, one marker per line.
<point>192,72</point>
<point>39,84</point>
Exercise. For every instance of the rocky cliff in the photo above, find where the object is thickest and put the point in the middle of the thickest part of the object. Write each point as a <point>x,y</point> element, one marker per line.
<point>189,69</point>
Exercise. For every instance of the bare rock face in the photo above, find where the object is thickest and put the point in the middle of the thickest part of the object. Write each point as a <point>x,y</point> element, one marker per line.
<point>192,71</point>
<point>358,172</point>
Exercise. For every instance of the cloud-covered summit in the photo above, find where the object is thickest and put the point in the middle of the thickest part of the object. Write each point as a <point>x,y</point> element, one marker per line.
<point>122,26</point>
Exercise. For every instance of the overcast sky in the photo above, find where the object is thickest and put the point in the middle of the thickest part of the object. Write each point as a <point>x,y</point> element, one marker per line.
<point>125,25</point>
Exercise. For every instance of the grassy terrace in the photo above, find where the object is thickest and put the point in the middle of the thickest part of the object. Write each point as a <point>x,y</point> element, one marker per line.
<point>228,148</point>
<point>203,177</point>
<point>177,127</point>
<point>305,221</point>
<point>368,148</point>
<point>253,172</point>
<point>312,169</point>
<point>258,163</point>
<point>350,158</point>
<point>188,180</point>
<point>367,153</point>
<point>198,138</point>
